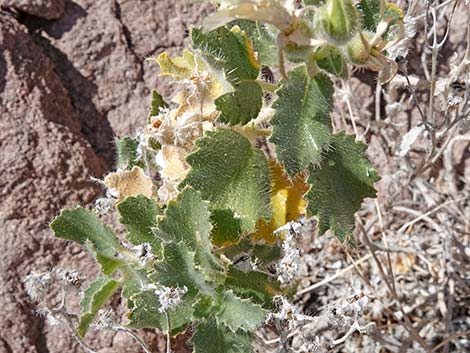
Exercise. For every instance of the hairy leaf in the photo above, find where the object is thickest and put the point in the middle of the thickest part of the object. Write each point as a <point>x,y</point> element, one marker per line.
<point>132,285</point>
<point>340,184</point>
<point>232,175</point>
<point>372,13</point>
<point>203,307</point>
<point>227,229</point>
<point>239,314</point>
<point>266,253</point>
<point>186,220</point>
<point>213,338</point>
<point>264,41</point>
<point>179,67</point>
<point>127,152</point>
<point>242,105</point>
<point>145,313</point>
<point>302,123</point>
<point>107,264</point>
<point>95,297</point>
<point>255,285</point>
<point>286,200</point>
<point>85,228</point>
<point>178,269</point>
<point>232,51</point>
<point>139,215</point>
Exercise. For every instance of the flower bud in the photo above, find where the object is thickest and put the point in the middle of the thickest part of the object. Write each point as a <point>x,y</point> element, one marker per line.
<point>339,21</point>
<point>358,49</point>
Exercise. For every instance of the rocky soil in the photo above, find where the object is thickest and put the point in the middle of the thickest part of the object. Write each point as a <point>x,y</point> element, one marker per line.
<point>72,77</point>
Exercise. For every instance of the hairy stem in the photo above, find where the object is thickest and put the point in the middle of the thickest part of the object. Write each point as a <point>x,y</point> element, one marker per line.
<point>168,334</point>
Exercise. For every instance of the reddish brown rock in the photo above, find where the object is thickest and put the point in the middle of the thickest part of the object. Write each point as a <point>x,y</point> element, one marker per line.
<point>66,88</point>
<point>107,42</point>
<point>45,164</point>
<point>48,9</point>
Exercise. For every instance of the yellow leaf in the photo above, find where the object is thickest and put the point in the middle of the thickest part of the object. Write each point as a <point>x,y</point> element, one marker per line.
<point>179,67</point>
<point>286,201</point>
<point>171,160</point>
<point>130,183</point>
<point>205,85</point>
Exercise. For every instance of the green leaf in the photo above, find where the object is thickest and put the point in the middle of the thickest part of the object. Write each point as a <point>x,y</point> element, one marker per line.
<point>255,285</point>
<point>239,314</point>
<point>127,153</point>
<point>302,123</point>
<point>266,253</point>
<point>227,229</point>
<point>95,297</point>
<point>372,14</point>
<point>203,307</point>
<point>232,175</point>
<point>134,279</point>
<point>264,41</point>
<point>213,338</point>
<point>186,220</point>
<point>156,103</point>
<point>85,228</point>
<point>335,65</point>
<point>145,313</point>
<point>107,264</point>
<point>139,215</point>
<point>241,105</point>
<point>370,10</point>
<point>178,269</point>
<point>242,248</point>
<point>232,51</point>
<point>340,184</point>
<point>132,284</point>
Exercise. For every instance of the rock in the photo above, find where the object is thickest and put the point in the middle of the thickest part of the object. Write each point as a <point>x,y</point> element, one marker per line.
<point>154,25</point>
<point>45,165</point>
<point>101,73</point>
<point>67,87</point>
<point>48,9</point>
<point>108,41</point>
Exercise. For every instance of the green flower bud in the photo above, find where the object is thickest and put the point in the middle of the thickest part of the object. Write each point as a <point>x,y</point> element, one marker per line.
<point>358,50</point>
<point>339,21</point>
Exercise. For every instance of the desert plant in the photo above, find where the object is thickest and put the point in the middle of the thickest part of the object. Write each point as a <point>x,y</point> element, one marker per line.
<point>214,192</point>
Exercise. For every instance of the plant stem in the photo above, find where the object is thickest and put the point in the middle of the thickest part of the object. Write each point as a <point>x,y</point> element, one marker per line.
<point>66,316</point>
<point>168,337</point>
<point>133,335</point>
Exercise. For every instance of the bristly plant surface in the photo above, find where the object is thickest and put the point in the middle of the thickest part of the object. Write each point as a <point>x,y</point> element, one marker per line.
<point>237,157</point>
